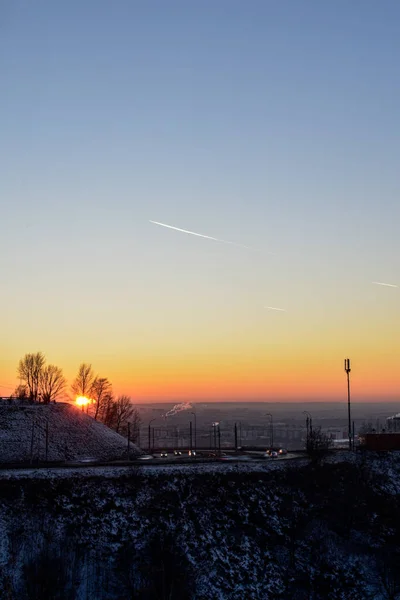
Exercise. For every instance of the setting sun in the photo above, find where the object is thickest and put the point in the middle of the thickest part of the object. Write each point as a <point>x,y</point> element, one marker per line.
<point>82,401</point>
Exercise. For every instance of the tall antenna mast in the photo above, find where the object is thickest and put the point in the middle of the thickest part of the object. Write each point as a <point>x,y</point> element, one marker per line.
<point>348,369</point>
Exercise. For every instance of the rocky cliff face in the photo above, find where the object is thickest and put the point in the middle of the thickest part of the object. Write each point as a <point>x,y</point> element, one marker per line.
<point>322,531</point>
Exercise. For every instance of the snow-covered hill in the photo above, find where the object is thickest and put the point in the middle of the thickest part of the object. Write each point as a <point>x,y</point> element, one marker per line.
<point>70,435</point>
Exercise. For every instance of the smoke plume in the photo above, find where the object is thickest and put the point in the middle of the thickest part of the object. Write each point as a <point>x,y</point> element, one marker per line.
<point>178,408</point>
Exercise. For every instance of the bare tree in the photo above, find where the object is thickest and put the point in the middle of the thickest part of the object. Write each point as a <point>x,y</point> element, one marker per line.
<point>83,382</point>
<point>52,383</point>
<point>135,421</point>
<point>101,389</point>
<point>123,411</point>
<point>30,369</point>
<point>108,411</point>
<point>318,443</point>
<point>21,392</point>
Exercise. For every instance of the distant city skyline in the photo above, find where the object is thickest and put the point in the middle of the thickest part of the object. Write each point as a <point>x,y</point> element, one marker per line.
<point>202,199</point>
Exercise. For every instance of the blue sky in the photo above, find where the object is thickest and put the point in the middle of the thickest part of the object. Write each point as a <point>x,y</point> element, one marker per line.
<point>272,124</point>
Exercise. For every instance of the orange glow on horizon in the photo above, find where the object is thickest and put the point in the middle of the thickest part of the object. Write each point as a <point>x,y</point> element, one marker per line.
<point>279,369</point>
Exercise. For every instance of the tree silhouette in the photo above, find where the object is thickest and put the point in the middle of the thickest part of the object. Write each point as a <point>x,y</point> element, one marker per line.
<point>101,389</point>
<point>123,411</point>
<point>21,392</point>
<point>318,443</point>
<point>135,422</point>
<point>30,369</point>
<point>83,382</point>
<point>52,383</point>
<point>108,411</point>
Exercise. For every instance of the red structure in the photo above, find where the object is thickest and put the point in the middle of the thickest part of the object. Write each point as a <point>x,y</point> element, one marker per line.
<point>381,441</point>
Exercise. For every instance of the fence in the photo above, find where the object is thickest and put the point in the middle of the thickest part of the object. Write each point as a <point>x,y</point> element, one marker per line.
<point>208,437</point>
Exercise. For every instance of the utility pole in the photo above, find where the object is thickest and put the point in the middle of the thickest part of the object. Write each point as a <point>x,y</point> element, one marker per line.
<point>271,430</point>
<point>348,369</point>
<point>308,434</point>
<point>309,428</point>
<point>150,434</point>
<point>236,438</point>
<point>47,439</point>
<point>195,430</point>
<point>191,438</point>
<point>219,439</point>
<point>32,437</point>
<point>215,436</point>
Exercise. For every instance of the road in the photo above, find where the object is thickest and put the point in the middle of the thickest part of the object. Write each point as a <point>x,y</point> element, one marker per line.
<point>171,459</point>
<point>156,459</point>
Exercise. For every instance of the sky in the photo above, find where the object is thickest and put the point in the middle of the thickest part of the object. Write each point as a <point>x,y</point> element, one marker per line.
<point>273,125</point>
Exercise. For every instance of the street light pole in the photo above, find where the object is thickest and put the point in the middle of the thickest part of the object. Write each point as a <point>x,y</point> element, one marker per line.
<point>150,433</point>
<point>271,434</point>
<point>308,427</point>
<point>348,369</point>
<point>47,439</point>
<point>195,430</point>
<point>215,436</point>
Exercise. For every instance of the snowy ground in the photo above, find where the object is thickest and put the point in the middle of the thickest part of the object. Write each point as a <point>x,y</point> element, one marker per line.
<point>153,470</point>
<point>229,531</point>
<point>70,435</point>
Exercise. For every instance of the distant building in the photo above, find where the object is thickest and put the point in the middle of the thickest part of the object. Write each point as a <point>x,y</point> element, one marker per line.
<point>381,441</point>
<point>393,423</point>
<point>341,443</point>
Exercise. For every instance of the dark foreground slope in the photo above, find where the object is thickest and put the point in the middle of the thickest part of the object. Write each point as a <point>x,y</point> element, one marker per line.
<point>70,435</point>
<point>326,532</point>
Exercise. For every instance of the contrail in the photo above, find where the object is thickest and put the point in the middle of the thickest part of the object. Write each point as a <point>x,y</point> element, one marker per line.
<point>385,284</point>
<point>208,237</point>
<point>274,308</point>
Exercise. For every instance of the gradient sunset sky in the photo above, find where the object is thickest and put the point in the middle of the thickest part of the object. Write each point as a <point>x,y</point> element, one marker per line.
<point>275,125</point>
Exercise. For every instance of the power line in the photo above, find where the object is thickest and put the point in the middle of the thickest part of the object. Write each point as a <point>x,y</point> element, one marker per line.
<point>6,386</point>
